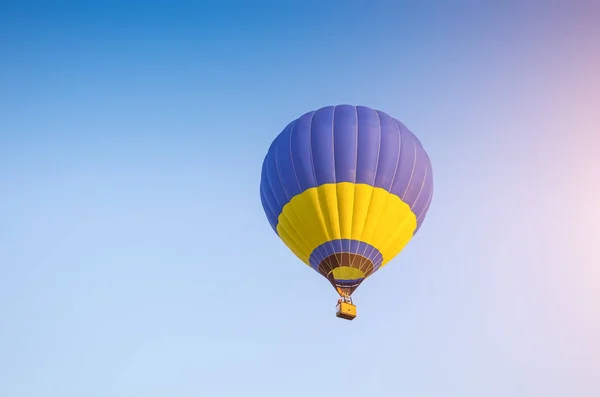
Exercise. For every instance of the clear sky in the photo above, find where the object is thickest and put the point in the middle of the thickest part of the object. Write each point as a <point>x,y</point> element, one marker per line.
<point>135,257</point>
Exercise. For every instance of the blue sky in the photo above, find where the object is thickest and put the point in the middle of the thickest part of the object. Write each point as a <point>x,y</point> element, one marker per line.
<point>135,258</point>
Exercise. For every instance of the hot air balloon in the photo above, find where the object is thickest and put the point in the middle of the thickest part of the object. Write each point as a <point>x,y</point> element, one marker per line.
<point>346,188</point>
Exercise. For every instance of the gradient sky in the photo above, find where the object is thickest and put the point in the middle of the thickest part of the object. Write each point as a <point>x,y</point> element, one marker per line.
<point>135,257</point>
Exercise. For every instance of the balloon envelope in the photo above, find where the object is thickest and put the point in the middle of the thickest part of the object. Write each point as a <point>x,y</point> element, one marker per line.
<point>346,188</point>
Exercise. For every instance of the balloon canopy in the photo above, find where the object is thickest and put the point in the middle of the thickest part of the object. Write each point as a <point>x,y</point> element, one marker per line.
<point>346,188</point>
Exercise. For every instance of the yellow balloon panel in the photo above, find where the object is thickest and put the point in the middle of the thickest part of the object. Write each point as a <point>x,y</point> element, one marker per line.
<point>346,211</point>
